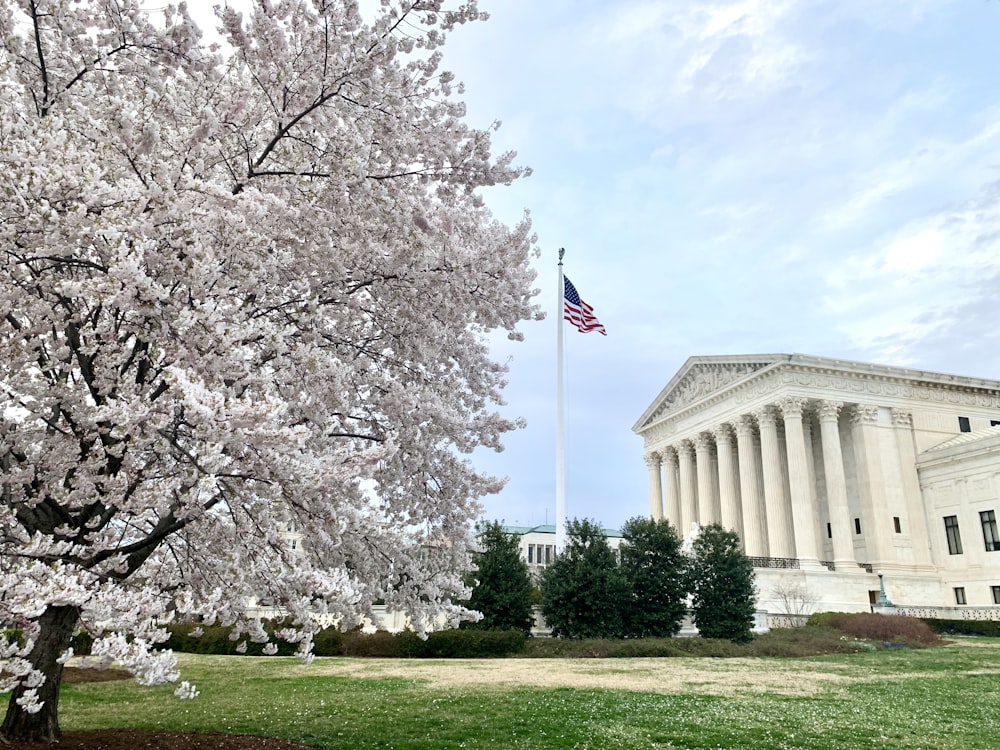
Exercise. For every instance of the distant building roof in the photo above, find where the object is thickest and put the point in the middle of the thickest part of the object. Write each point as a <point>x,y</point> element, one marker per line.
<point>548,528</point>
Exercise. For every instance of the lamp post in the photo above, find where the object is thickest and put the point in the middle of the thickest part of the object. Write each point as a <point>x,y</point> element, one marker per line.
<point>883,600</point>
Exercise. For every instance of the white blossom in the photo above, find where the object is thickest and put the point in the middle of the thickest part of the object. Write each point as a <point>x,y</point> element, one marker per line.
<point>237,294</point>
<point>186,691</point>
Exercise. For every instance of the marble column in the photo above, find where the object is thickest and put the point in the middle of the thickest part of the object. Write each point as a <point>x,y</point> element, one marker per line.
<point>731,516</point>
<point>655,486</point>
<point>754,517</point>
<point>902,424</point>
<point>689,490</point>
<point>804,523</point>
<point>836,486</point>
<point>707,505</point>
<point>671,493</point>
<point>876,522</point>
<point>779,538</point>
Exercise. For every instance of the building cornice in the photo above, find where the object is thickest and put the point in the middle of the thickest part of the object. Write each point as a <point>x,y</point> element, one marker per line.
<point>757,376</point>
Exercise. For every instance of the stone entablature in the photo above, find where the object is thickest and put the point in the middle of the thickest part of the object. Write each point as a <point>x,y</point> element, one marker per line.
<point>755,380</point>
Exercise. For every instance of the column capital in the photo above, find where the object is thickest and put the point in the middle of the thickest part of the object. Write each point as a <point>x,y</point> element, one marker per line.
<point>685,448</point>
<point>829,411</point>
<point>792,406</point>
<point>652,459</point>
<point>766,416</point>
<point>864,414</point>
<point>703,441</point>
<point>668,454</point>
<point>744,426</point>
<point>901,417</point>
<point>723,433</point>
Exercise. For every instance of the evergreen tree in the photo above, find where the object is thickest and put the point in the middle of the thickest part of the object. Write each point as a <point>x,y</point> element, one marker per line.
<point>655,570</point>
<point>583,592</point>
<point>501,589</point>
<point>723,588</point>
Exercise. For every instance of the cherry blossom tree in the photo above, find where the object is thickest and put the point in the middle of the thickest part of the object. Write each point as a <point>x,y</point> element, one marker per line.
<point>245,288</point>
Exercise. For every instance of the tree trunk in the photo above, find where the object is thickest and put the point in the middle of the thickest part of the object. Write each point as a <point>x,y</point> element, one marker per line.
<point>57,625</point>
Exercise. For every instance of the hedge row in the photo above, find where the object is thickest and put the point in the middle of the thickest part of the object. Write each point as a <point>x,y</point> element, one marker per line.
<point>444,644</point>
<point>989,628</point>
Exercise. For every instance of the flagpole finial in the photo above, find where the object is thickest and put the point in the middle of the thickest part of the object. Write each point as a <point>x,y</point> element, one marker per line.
<point>562,252</point>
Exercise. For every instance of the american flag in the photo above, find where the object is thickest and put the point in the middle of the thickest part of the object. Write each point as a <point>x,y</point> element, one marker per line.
<point>578,312</point>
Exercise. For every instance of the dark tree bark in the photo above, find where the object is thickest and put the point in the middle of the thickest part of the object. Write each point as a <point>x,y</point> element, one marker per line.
<point>57,625</point>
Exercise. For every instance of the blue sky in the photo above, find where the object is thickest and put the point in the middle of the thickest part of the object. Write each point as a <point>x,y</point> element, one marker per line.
<point>764,176</point>
<point>735,178</point>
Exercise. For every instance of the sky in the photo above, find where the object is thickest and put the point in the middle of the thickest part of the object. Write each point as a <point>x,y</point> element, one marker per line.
<point>765,176</point>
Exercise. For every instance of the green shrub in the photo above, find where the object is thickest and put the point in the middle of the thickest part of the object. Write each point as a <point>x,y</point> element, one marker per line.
<point>328,642</point>
<point>988,628</point>
<point>822,619</point>
<point>473,644</point>
<point>14,634</point>
<point>81,643</point>
<point>215,639</point>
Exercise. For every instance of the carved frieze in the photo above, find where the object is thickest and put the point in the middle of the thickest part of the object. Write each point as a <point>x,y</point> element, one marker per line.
<point>702,381</point>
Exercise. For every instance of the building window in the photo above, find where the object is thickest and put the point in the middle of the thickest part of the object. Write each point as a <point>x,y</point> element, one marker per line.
<point>996,594</point>
<point>531,554</point>
<point>829,531</point>
<point>989,521</point>
<point>857,525</point>
<point>963,424</point>
<point>954,537</point>
<point>994,422</point>
<point>896,526</point>
<point>960,595</point>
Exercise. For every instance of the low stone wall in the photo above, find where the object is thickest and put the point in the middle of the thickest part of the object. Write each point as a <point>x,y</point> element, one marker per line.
<point>943,613</point>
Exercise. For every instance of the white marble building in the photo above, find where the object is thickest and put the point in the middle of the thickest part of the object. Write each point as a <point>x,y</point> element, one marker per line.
<point>832,472</point>
<point>538,545</point>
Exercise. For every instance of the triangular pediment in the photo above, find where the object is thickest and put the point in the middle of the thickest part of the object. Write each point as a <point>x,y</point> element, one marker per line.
<point>701,377</point>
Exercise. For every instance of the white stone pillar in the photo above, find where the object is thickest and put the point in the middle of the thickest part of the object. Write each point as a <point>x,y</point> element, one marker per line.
<point>731,515</point>
<point>671,494</point>
<point>754,517</point>
<point>655,486</point>
<point>876,524</point>
<point>689,490</point>
<point>779,536</point>
<point>902,423</point>
<point>836,486</point>
<point>707,506</point>
<point>804,523</point>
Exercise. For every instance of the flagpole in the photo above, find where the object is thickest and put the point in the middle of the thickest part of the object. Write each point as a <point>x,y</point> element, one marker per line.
<point>560,419</point>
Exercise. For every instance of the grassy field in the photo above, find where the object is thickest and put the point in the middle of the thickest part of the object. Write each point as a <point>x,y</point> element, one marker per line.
<point>930,698</point>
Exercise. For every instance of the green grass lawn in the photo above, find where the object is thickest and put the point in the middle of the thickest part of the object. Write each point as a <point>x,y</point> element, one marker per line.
<point>930,698</point>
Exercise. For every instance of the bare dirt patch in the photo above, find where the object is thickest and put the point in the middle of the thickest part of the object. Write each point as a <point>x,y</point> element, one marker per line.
<point>676,675</point>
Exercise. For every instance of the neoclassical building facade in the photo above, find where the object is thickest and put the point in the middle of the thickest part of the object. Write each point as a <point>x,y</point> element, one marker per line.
<point>832,472</point>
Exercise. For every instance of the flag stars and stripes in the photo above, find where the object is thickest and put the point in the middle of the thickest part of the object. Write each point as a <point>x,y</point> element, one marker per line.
<point>578,312</point>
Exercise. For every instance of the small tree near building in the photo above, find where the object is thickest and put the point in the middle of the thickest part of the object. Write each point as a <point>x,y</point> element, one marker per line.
<point>501,584</point>
<point>722,582</point>
<point>583,591</point>
<point>655,570</point>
